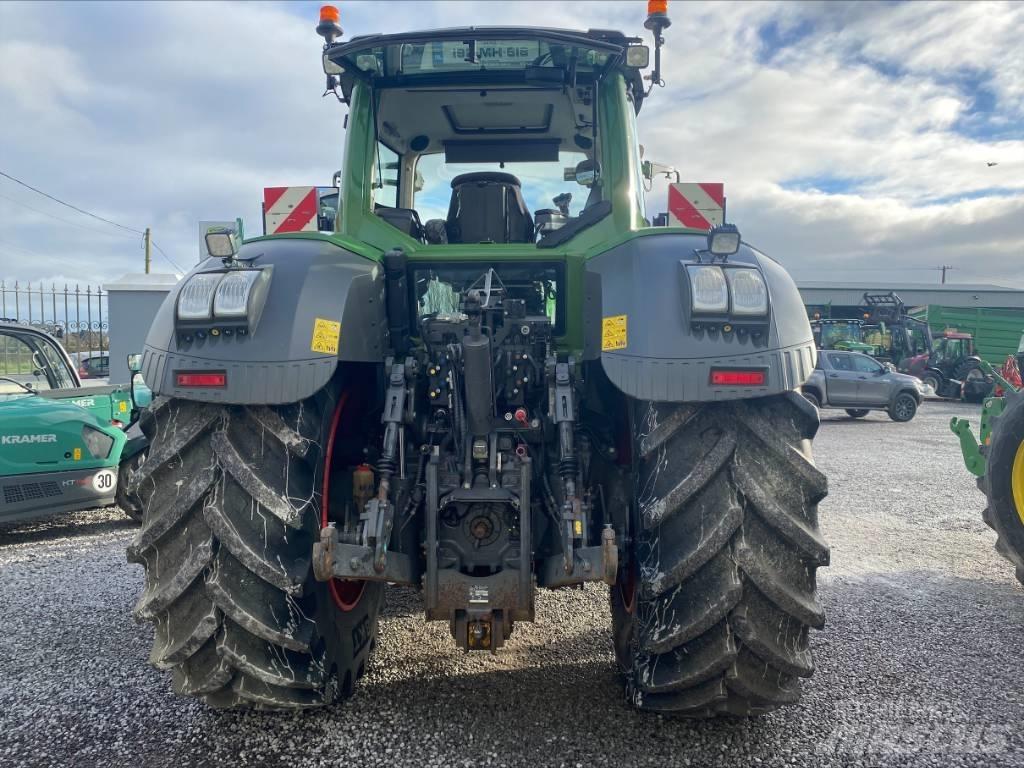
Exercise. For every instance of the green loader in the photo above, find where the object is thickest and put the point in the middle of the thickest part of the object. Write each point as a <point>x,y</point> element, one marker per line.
<point>63,447</point>
<point>997,459</point>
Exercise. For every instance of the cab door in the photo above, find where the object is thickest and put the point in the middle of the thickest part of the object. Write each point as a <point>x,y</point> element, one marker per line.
<point>29,359</point>
<point>840,379</point>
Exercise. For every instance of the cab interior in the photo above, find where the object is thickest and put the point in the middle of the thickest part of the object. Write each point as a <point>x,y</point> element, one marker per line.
<point>485,165</point>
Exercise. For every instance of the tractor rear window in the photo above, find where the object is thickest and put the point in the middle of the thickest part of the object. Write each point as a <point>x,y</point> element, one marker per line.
<point>540,183</point>
<point>835,333</point>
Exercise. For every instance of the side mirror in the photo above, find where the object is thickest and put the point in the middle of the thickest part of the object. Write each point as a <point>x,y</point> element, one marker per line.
<point>584,174</point>
<point>135,363</point>
<point>332,67</point>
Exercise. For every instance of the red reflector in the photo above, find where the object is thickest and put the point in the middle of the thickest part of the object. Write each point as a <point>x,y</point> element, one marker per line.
<point>219,379</point>
<point>738,378</point>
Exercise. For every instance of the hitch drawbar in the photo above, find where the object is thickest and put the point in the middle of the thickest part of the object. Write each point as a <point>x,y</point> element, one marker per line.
<point>333,559</point>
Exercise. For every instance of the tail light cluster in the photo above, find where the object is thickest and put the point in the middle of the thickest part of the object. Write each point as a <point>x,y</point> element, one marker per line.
<point>201,379</point>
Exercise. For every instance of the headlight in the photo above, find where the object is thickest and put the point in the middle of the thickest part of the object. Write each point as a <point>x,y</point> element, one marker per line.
<point>222,243</point>
<point>709,289</point>
<point>98,443</point>
<point>196,297</point>
<point>724,240</point>
<point>231,298</point>
<point>749,293</point>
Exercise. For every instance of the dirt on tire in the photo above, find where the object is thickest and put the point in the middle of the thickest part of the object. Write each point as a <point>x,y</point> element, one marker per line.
<point>231,507</point>
<point>713,614</point>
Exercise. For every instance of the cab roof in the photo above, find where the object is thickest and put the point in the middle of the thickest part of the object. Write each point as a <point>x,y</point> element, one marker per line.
<point>460,56</point>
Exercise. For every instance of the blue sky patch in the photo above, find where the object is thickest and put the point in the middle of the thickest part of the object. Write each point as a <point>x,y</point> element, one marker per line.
<point>775,37</point>
<point>830,185</point>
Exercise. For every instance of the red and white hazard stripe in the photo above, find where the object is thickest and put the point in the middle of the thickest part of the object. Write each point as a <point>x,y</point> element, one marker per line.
<point>697,205</point>
<point>289,209</point>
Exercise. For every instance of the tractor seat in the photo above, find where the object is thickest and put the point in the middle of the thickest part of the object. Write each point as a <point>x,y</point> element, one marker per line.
<point>488,206</point>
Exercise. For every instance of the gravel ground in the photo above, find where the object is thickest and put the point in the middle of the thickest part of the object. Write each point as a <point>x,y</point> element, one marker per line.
<point>918,665</point>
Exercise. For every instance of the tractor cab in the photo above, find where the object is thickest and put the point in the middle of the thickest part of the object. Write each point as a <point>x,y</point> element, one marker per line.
<point>845,335</point>
<point>521,137</point>
<point>951,347</point>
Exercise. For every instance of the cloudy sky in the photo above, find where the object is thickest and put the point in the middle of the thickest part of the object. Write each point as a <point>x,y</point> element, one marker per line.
<point>853,139</point>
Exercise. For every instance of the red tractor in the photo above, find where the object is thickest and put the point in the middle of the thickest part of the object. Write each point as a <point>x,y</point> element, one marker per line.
<point>952,368</point>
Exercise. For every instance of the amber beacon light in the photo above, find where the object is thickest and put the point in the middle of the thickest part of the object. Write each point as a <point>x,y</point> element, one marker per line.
<point>329,27</point>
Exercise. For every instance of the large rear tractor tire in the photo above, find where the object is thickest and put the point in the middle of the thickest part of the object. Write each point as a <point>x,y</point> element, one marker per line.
<point>231,506</point>
<point>1003,482</point>
<point>713,607</point>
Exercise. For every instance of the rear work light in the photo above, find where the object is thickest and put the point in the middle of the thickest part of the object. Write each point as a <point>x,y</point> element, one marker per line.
<point>738,378</point>
<point>204,379</point>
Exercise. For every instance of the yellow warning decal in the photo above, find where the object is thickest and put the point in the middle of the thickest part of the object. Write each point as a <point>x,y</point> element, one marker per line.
<point>122,407</point>
<point>77,454</point>
<point>325,336</point>
<point>613,333</point>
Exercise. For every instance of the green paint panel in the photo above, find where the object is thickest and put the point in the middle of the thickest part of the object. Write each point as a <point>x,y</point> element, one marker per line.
<point>43,435</point>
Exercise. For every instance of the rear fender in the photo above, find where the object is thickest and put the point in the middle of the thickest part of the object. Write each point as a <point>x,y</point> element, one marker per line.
<point>318,292</point>
<point>660,356</point>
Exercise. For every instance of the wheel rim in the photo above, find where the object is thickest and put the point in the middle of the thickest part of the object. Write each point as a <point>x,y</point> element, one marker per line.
<point>903,408</point>
<point>1017,481</point>
<point>345,593</point>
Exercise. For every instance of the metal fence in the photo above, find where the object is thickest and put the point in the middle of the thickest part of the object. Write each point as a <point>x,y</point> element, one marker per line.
<point>76,316</point>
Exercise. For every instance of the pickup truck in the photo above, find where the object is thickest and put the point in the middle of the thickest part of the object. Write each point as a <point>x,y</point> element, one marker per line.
<point>860,384</point>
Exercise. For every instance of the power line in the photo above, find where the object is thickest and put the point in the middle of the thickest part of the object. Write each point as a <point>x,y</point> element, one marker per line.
<point>80,210</point>
<point>69,205</point>
<point>153,243</point>
<point>65,221</point>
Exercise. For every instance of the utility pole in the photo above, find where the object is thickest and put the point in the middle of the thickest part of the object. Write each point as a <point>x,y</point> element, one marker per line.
<point>147,239</point>
<point>944,267</point>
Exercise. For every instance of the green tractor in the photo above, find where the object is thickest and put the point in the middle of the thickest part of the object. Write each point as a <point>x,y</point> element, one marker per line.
<point>496,379</point>
<point>63,447</point>
<point>844,335</point>
<point>998,462</point>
